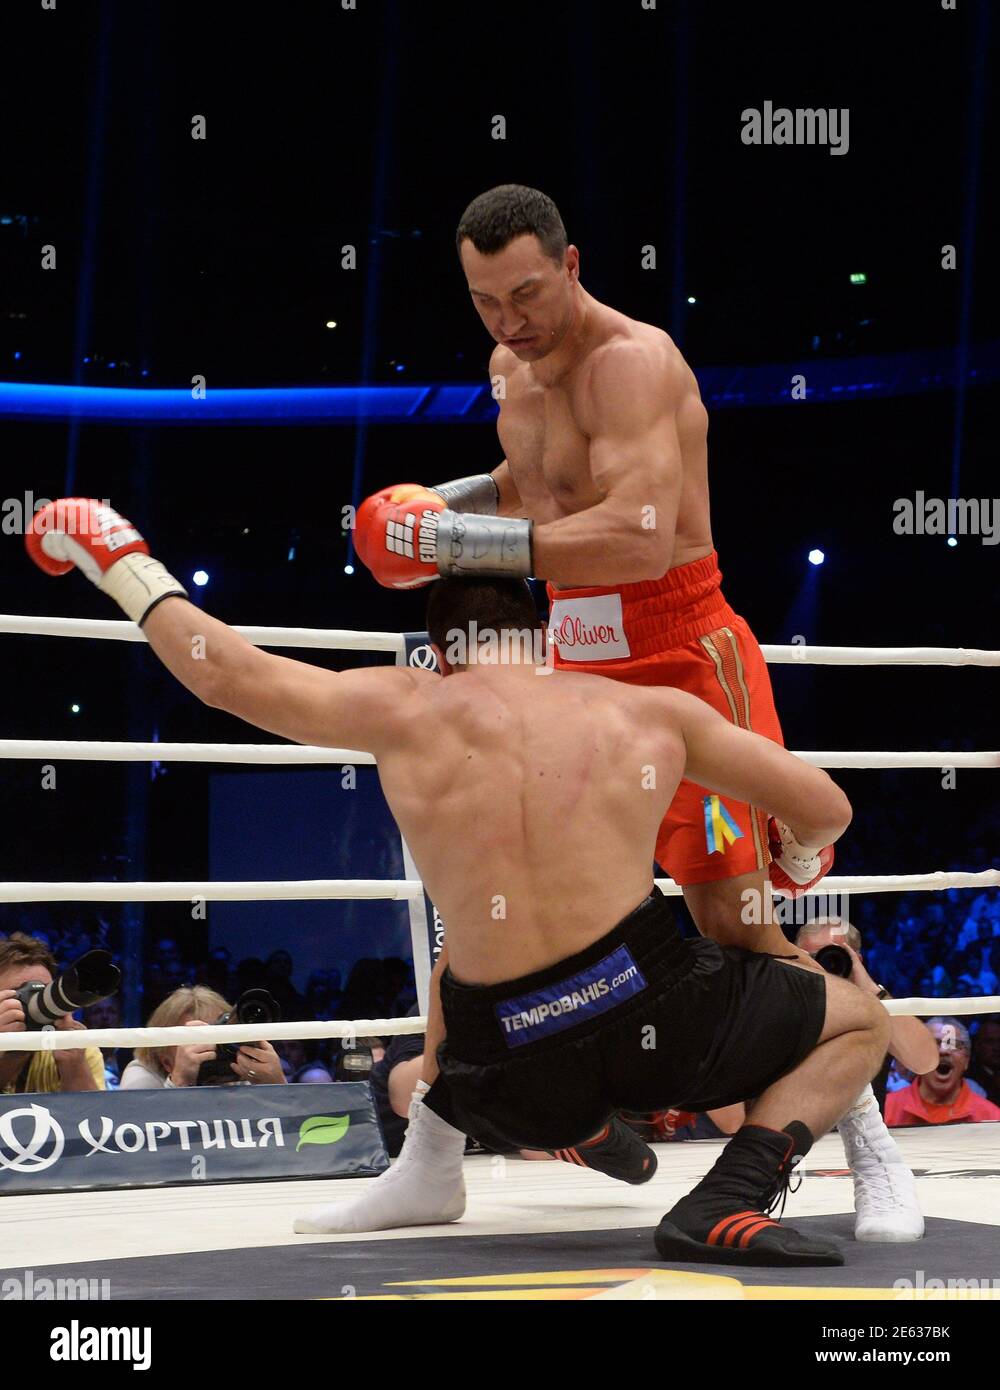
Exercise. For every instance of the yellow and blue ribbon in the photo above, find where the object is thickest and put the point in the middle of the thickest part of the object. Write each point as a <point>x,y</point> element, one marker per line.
<point>720,828</point>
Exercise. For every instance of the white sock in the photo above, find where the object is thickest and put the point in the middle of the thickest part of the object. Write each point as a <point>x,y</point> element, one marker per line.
<point>877,1140</point>
<point>424,1186</point>
<point>863,1106</point>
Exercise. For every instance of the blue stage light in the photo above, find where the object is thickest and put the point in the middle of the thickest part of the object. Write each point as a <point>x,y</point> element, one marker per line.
<point>200,577</point>
<point>952,541</point>
<point>348,569</point>
<point>816,557</point>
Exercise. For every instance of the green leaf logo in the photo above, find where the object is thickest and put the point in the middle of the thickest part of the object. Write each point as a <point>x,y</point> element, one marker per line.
<point>323,1129</point>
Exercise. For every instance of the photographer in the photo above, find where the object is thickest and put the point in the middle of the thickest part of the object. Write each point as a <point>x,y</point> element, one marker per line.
<point>256,1064</point>
<point>911,1042</point>
<point>23,961</point>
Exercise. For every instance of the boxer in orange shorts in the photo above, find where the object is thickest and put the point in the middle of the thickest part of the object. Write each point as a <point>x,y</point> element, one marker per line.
<point>604,493</point>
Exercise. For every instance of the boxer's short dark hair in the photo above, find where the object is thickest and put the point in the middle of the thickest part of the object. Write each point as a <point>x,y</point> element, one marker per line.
<point>496,604</point>
<point>510,210</point>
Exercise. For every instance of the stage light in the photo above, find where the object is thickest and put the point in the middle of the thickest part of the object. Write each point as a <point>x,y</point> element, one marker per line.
<point>200,577</point>
<point>952,541</point>
<point>691,299</point>
<point>331,323</point>
<point>816,557</point>
<point>74,709</point>
<point>858,277</point>
<point>348,569</point>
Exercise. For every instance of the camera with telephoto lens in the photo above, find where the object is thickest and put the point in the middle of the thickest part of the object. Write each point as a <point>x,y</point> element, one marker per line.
<point>91,978</point>
<point>253,1006</point>
<point>834,960</point>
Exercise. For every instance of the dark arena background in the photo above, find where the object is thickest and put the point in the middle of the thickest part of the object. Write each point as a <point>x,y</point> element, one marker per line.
<point>230,303</point>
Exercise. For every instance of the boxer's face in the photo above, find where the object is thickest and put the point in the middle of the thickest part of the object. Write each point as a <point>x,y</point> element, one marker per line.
<point>523,296</point>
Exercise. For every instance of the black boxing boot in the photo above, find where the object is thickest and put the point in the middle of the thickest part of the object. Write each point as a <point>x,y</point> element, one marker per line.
<point>726,1219</point>
<point>617,1151</point>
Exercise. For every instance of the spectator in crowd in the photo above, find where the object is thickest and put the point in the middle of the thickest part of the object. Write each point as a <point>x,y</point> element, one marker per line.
<point>314,1073</point>
<point>323,995</point>
<point>257,1064</point>
<point>985,1065</point>
<point>278,980</point>
<point>301,1061</point>
<point>364,996</point>
<point>943,1096</point>
<point>107,1013</point>
<point>250,974</point>
<point>215,971</point>
<point>26,960</point>
<point>978,977</point>
<point>399,987</point>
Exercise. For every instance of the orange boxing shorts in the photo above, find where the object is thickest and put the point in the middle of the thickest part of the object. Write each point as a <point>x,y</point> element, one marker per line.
<point>680,631</point>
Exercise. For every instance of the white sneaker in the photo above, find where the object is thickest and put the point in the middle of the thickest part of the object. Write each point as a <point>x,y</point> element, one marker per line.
<point>885,1194</point>
<point>424,1187</point>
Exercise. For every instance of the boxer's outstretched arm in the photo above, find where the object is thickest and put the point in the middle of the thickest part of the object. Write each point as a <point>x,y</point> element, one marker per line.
<point>751,768</point>
<point>364,710</point>
<point>635,462</point>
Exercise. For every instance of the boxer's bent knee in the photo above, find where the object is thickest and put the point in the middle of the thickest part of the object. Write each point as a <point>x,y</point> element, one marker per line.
<point>849,1010</point>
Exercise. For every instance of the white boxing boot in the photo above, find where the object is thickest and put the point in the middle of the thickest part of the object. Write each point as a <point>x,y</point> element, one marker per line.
<point>885,1194</point>
<point>424,1186</point>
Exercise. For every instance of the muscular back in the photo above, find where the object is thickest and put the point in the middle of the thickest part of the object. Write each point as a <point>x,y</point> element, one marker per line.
<point>546,426</point>
<point>532,812</point>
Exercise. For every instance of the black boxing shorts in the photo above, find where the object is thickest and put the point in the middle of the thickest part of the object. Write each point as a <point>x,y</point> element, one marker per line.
<point>641,1020</point>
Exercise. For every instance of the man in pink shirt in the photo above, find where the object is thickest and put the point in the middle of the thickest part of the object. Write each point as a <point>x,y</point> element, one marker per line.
<point>942,1096</point>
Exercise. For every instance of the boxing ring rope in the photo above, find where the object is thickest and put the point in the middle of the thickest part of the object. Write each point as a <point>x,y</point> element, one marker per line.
<point>340,639</point>
<point>331,639</point>
<point>403,889</point>
<point>107,750</point>
<point>58,1040</point>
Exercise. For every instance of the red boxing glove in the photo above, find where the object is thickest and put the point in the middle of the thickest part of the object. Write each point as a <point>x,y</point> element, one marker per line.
<point>795,868</point>
<point>395,534</point>
<point>81,532</point>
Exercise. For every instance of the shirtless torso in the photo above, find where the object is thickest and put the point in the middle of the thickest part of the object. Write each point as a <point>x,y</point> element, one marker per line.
<point>533,815</point>
<point>550,420</point>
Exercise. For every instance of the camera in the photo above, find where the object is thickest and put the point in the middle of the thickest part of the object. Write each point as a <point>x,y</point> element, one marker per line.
<point>253,1006</point>
<point>356,1061</point>
<point>91,978</point>
<point>835,961</point>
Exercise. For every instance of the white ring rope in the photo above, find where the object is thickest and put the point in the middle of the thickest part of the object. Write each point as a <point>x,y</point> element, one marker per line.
<point>333,639</point>
<point>346,640</point>
<point>240,891</point>
<point>57,1040</point>
<point>403,889</point>
<point>106,750</point>
<point>878,656</point>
